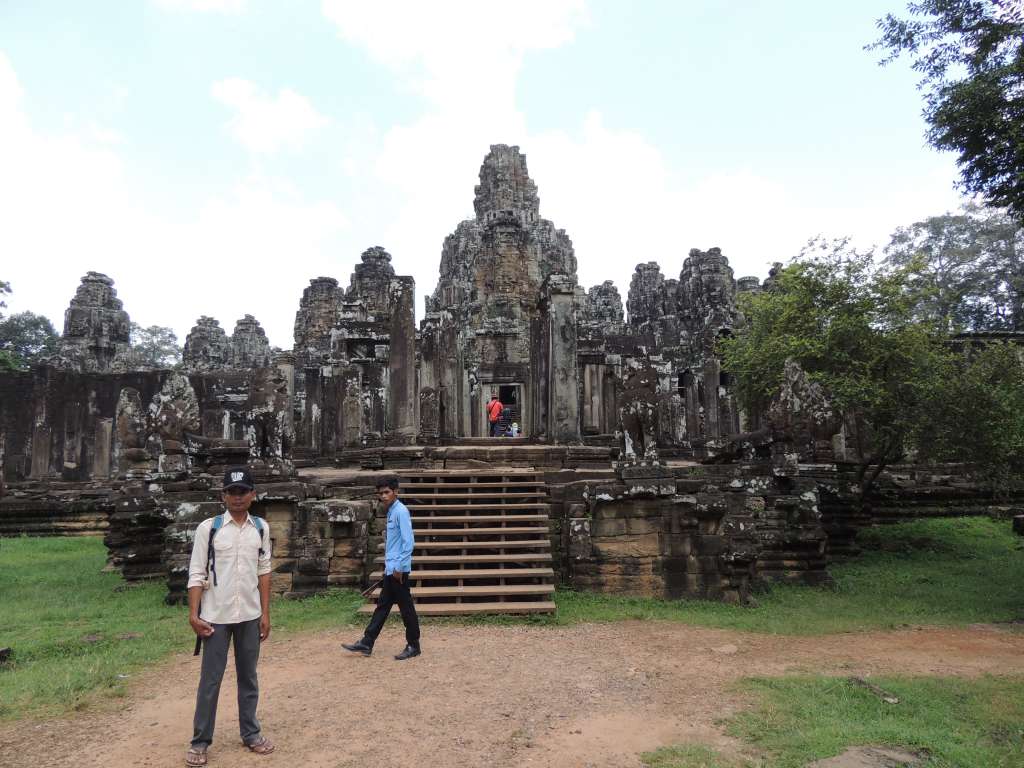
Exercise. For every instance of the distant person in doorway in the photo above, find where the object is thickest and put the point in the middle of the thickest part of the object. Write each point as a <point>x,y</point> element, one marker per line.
<point>494,409</point>
<point>398,546</point>
<point>229,602</point>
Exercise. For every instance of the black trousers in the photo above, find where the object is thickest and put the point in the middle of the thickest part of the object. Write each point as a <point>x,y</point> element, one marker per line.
<point>392,592</point>
<point>246,637</point>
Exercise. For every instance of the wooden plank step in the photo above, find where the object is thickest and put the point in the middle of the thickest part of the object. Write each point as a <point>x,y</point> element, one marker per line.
<point>526,557</point>
<point>509,484</point>
<point>485,591</point>
<point>481,495</point>
<point>470,472</point>
<point>457,609</point>
<point>413,507</point>
<point>481,531</point>
<point>475,573</point>
<point>479,519</point>
<point>527,544</point>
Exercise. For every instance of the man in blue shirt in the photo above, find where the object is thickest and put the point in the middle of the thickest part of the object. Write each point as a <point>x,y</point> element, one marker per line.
<point>398,546</point>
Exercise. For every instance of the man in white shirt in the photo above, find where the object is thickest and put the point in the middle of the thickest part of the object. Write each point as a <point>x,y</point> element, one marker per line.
<point>229,600</point>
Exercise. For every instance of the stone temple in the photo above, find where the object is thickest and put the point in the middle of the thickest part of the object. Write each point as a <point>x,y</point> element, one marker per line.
<point>634,471</point>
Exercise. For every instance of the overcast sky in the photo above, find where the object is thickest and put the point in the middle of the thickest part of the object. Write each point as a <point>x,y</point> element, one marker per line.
<point>212,156</point>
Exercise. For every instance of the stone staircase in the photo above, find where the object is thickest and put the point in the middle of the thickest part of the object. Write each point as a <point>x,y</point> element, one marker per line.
<point>482,543</point>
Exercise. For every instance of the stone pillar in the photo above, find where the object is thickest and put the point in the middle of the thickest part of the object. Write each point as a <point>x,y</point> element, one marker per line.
<point>285,362</point>
<point>402,398</point>
<point>712,411</point>
<point>563,392</point>
<point>40,452</point>
<point>103,447</point>
<point>352,412</point>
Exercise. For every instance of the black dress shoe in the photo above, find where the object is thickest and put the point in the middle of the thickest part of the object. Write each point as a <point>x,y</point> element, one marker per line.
<point>408,653</point>
<point>358,647</point>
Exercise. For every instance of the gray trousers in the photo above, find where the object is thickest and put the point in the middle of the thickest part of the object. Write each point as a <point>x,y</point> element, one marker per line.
<point>246,636</point>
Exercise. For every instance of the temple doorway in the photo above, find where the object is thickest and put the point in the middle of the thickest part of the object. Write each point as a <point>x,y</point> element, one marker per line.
<point>511,396</point>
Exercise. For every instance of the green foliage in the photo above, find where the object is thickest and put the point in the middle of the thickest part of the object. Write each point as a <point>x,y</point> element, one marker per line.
<point>690,756</point>
<point>8,362</point>
<point>78,633</point>
<point>977,414</point>
<point>966,270</point>
<point>5,288</point>
<point>957,723</point>
<point>970,54</point>
<point>877,342</point>
<point>24,337</point>
<point>155,346</point>
<point>853,329</point>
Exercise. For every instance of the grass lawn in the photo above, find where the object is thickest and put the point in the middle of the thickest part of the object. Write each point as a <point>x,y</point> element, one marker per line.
<point>941,572</point>
<point>954,723</point>
<point>77,632</point>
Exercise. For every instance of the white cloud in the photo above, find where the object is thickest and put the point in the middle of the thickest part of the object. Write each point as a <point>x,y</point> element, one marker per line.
<point>265,123</point>
<point>462,55</point>
<point>612,190</point>
<point>203,6</point>
<point>70,205</point>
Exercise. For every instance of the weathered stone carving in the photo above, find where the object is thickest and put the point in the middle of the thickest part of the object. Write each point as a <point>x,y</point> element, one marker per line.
<point>207,347</point>
<point>249,345</point>
<point>600,310</point>
<point>638,416</point>
<point>318,315</point>
<point>97,330</point>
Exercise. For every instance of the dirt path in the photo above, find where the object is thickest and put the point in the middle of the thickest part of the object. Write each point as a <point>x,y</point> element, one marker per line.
<point>589,695</point>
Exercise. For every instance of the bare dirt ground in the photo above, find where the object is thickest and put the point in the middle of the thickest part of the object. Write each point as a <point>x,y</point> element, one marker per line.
<point>573,697</point>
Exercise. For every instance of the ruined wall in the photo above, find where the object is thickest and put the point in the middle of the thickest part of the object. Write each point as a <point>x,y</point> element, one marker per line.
<point>697,532</point>
<point>355,361</point>
<point>64,425</point>
<point>317,542</point>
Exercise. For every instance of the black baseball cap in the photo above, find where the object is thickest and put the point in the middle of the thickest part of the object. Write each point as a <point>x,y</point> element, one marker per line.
<point>238,477</point>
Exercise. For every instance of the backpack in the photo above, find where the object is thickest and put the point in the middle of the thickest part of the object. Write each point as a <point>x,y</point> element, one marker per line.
<point>211,553</point>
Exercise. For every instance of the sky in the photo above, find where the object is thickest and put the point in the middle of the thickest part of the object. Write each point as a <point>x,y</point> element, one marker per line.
<point>213,156</point>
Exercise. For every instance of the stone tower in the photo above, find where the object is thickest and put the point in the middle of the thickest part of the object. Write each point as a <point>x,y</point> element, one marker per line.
<point>501,319</point>
<point>97,330</point>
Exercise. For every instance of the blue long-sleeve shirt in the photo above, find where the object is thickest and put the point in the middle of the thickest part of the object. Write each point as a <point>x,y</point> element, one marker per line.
<point>399,540</point>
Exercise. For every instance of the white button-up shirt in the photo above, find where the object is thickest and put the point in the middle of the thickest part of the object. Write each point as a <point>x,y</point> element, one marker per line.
<point>235,597</point>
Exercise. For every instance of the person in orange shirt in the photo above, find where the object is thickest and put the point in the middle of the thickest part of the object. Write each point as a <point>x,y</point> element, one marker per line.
<point>494,414</point>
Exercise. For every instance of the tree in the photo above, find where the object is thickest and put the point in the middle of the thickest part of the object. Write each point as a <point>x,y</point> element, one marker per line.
<point>857,331</point>
<point>966,269</point>
<point>977,412</point>
<point>970,54</point>
<point>24,337</point>
<point>155,346</point>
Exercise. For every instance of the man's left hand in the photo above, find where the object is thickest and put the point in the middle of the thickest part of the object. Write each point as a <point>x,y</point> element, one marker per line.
<point>264,627</point>
<point>397,576</point>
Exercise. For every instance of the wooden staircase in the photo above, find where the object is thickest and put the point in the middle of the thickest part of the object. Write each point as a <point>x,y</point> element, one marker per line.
<point>482,543</point>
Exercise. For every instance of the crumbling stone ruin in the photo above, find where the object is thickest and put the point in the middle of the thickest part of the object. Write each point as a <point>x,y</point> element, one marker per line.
<point>656,482</point>
<point>96,329</point>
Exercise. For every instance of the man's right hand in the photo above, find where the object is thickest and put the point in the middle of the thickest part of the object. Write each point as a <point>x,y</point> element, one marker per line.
<point>397,576</point>
<point>200,627</point>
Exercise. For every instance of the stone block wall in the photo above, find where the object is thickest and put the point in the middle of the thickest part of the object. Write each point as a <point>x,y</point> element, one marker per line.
<point>700,533</point>
<point>316,542</point>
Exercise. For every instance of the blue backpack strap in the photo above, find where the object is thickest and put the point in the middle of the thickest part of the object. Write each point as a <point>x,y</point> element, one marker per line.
<point>211,553</point>
<point>258,522</point>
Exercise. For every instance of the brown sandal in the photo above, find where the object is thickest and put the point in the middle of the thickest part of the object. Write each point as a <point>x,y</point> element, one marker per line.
<point>195,758</point>
<point>262,747</point>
